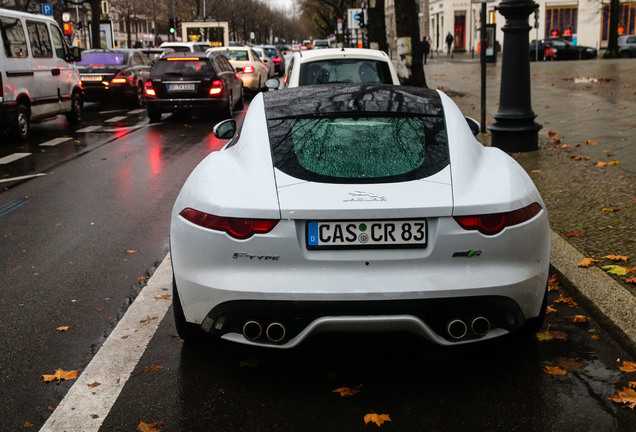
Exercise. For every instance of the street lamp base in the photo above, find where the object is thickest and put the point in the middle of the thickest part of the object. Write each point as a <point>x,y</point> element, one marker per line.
<point>515,138</point>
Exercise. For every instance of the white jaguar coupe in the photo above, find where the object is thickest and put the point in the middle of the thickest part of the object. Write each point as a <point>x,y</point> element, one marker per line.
<point>357,208</point>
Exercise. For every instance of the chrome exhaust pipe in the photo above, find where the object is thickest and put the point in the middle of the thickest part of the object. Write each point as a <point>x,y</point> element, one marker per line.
<point>457,329</point>
<point>252,330</point>
<point>480,326</point>
<point>275,332</point>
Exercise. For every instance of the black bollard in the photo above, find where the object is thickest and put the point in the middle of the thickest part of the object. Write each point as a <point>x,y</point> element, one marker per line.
<point>514,129</point>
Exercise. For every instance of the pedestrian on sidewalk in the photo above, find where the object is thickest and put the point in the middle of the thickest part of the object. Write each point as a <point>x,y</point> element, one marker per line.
<point>430,45</point>
<point>426,48</point>
<point>449,43</point>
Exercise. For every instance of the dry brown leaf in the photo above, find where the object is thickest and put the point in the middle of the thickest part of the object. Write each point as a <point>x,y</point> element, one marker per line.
<point>586,262</point>
<point>150,427</point>
<point>152,368</point>
<point>628,366</point>
<point>611,210</point>
<point>550,309</point>
<point>552,133</point>
<point>573,234</point>
<point>143,278</point>
<point>590,142</point>
<point>63,328</point>
<point>567,300</point>
<point>570,364</point>
<point>93,385</point>
<point>60,375</point>
<point>535,171</point>
<point>631,280</point>
<point>163,297</point>
<point>346,391</point>
<point>549,335</point>
<point>626,396</point>
<point>580,319</point>
<point>554,370</point>
<point>601,164</point>
<point>131,251</point>
<point>616,257</point>
<point>376,418</point>
<point>27,424</point>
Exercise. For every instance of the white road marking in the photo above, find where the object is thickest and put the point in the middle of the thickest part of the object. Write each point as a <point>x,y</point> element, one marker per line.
<point>137,111</point>
<point>115,119</point>
<point>85,408</point>
<point>55,141</point>
<point>88,129</point>
<point>6,180</point>
<point>13,157</point>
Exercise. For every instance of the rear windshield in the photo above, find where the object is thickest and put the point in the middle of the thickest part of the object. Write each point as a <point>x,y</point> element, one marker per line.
<point>236,55</point>
<point>271,52</point>
<point>102,58</point>
<point>344,71</point>
<point>194,67</point>
<point>359,149</point>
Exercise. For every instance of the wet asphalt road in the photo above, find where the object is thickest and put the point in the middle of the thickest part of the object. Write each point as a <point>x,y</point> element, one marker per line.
<point>84,234</point>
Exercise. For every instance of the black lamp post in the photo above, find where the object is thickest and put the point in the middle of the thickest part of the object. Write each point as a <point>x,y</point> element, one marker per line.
<point>514,129</point>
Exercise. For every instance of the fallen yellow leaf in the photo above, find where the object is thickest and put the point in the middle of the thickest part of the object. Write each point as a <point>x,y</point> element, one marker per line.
<point>346,391</point>
<point>549,335</point>
<point>63,328</point>
<point>554,370</point>
<point>628,366</point>
<point>611,210</point>
<point>376,418</point>
<point>581,319</point>
<point>615,270</point>
<point>586,262</point>
<point>616,257</point>
<point>626,396</point>
<point>60,375</point>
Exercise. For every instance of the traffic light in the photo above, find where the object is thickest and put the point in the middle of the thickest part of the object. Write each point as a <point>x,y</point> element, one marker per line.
<point>68,28</point>
<point>361,22</point>
<point>171,27</point>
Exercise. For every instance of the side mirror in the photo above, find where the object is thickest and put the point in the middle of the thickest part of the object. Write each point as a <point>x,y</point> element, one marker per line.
<point>474,125</point>
<point>272,83</point>
<point>225,130</point>
<point>75,54</point>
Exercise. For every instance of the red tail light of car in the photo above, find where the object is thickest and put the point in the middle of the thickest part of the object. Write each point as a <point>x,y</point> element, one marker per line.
<point>276,60</point>
<point>217,87</point>
<point>119,78</point>
<point>150,91</point>
<point>238,228</point>
<point>248,69</point>
<point>494,223</point>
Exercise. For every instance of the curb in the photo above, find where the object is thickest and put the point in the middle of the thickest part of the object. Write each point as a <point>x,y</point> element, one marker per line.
<point>607,301</point>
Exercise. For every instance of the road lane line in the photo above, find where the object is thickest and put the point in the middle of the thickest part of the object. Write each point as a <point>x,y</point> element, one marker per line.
<point>115,119</point>
<point>13,157</point>
<point>55,141</point>
<point>7,180</point>
<point>137,111</point>
<point>85,408</point>
<point>88,129</point>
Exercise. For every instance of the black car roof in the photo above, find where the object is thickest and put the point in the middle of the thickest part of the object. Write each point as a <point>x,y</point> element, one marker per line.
<point>196,54</point>
<point>341,98</point>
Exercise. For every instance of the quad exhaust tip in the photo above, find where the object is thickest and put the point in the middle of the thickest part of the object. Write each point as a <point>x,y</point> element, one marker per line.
<point>457,329</point>
<point>252,330</point>
<point>480,326</point>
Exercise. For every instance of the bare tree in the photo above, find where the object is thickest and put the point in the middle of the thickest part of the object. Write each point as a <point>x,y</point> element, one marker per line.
<point>410,67</point>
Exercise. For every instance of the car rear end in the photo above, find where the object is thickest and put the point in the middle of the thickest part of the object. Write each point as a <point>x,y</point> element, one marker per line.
<point>353,230</point>
<point>185,81</point>
<point>103,75</point>
<point>247,68</point>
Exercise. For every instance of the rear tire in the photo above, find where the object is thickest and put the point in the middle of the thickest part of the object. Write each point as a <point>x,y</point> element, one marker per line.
<point>139,100</point>
<point>189,332</point>
<point>228,112</point>
<point>77,104</point>
<point>154,116</point>
<point>241,103</point>
<point>21,127</point>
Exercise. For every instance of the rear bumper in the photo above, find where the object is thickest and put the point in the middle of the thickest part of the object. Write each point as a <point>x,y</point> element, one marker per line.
<point>175,105</point>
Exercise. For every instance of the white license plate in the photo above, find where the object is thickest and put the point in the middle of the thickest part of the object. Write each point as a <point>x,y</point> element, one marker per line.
<point>91,77</point>
<point>181,87</point>
<point>403,233</point>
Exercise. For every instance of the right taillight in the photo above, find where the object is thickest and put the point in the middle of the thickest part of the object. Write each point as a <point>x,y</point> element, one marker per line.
<point>239,228</point>
<point>494,223</point>
<point>248,69</point>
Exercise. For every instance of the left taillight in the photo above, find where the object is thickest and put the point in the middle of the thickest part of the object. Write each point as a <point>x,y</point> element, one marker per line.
<point>119,78</point>
<point>494,223</point>
<point>150,91</point>
<point>217,87</point>
<point>239,228</point>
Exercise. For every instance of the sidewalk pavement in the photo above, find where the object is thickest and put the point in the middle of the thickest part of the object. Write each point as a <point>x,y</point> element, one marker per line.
<point>588,112</point>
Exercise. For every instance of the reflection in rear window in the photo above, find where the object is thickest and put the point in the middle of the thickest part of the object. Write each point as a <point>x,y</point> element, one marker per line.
<point>236,55</point>
<point>181,67</point>
<point>359,149</point>
<point>102,58</point>
<point>344,71</point>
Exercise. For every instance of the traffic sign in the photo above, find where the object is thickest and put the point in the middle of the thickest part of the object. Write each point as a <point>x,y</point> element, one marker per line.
<point>47,9</point>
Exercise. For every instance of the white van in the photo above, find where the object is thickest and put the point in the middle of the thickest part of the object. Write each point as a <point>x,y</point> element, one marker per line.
<point>37,74</point>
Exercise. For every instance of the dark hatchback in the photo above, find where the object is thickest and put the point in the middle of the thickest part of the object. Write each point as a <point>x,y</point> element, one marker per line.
<point>563,50</point>
<point>193,81</point>
<point>112,74</point>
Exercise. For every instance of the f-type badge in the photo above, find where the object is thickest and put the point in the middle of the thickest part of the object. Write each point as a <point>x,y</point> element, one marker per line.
<point>358,196</point>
